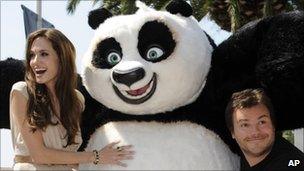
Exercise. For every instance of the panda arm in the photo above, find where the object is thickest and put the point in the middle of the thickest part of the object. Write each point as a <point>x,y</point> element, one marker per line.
<point>89,119</point>
<point>243,61</point>
<point>11,71</point>
<point>280,69</point>
<point>265,54</point>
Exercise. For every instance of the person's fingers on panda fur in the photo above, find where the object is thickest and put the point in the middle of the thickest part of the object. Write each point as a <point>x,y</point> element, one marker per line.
<point>108,154</point>
<point>111,145</point>
<point>125,147</point>
<point>126,152</point>
<point>111,155</point>
<point>121,164</point>
<point>108,157</point>
<point>125,157</point>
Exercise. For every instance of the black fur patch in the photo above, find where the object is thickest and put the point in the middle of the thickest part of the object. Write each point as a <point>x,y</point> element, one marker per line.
<point>98,16</point>
<point>181,7</point>
<point>104,48</point>
<point>155,34</point>
<point>11,71</point>
<point>210,41</point>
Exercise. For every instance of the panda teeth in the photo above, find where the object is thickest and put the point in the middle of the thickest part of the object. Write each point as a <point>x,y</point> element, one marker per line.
<point>139,91</point>
<point>131,93</point>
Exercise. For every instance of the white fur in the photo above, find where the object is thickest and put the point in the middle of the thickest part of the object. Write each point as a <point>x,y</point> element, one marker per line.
<point>180,78</point>
<point>159,146</point>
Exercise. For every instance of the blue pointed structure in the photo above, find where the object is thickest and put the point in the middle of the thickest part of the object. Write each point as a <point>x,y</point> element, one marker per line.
<point>30,21</point>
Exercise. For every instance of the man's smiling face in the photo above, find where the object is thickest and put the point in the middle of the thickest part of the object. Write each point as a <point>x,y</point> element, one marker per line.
<point>253,130</point>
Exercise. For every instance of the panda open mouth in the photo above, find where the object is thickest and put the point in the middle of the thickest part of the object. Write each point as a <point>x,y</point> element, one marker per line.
<point>140,95</point>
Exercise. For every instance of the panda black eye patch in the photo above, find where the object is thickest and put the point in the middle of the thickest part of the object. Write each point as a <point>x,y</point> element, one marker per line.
<point>155,34</point>
<point>104,48</point>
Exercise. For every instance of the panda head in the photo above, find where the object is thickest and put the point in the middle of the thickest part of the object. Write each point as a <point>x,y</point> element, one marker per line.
<point>148,62</point>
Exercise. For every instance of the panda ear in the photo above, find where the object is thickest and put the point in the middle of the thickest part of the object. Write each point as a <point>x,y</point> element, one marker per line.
<point>98,16</point>
<point>179,6</point>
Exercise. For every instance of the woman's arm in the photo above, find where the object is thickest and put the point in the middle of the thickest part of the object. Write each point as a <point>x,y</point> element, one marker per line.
<point>44,155</point>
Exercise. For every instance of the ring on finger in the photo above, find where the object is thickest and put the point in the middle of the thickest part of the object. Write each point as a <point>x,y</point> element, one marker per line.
<point>119,148</point>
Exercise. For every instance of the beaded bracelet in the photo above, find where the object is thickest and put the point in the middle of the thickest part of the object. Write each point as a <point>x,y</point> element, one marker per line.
<point>96,157</point>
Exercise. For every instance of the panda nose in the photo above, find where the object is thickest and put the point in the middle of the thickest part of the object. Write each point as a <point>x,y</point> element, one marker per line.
<point>130,77</point>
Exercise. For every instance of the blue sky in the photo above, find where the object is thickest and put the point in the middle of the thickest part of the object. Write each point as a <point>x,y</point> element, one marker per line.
<point>74,26</point>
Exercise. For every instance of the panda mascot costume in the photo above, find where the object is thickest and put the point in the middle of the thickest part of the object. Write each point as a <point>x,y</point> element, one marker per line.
<point>162,91</point>
<point>148,70</point>
<point>155,79</point>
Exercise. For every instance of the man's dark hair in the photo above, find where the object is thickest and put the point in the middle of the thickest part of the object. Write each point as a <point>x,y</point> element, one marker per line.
<point>247,99</point>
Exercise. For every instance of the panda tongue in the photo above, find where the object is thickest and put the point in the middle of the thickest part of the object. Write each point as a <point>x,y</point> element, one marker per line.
<point>138,91</point>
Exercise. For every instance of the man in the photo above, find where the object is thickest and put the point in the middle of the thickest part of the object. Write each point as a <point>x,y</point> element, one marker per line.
<point>250,119</point>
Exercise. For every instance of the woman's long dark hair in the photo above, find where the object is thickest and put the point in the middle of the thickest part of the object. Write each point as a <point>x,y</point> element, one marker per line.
<point>40,108</point>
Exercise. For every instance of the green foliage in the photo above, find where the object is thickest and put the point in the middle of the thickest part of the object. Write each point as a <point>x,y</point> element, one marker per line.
<point>127,6</point>
<point>206,6</point>
<point>156,4</point>
<point>112,5</point>
<point>199,8</point>
<point>118,7</point>
<point>297,4</point>
<point>72,4</point>
<point>228,14</point>
<point>268,10</point>
<point>235,14</point>
<point>288,135</point>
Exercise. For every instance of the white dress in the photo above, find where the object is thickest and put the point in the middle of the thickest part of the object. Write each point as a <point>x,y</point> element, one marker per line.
<point>53,137</point>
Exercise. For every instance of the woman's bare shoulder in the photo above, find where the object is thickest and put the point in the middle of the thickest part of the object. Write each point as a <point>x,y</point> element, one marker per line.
<point>20,87</point>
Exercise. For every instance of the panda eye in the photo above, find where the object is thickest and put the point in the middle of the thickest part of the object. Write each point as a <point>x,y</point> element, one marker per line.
<point>113,58</point>
<point>154,53</point>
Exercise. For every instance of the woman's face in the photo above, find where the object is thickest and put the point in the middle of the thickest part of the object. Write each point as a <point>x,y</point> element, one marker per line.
<point>44,61</point>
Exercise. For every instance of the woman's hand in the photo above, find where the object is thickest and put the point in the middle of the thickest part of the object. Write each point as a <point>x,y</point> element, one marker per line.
<point>113,156</point>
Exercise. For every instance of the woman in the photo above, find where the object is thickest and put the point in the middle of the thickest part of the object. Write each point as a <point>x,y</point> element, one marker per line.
<point>45,110</point>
